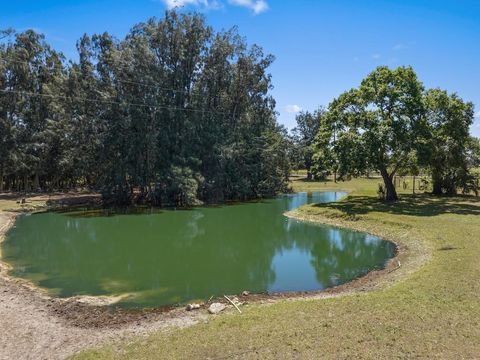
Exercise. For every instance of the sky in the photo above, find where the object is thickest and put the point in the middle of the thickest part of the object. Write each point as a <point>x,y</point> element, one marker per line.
<point>322,47</point>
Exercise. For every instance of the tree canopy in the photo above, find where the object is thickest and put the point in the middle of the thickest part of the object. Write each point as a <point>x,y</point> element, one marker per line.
<point>174,113</point>
<point>375,126</point>
<point>308,125</point>
<point>390,124</point>
<point>449,119</point>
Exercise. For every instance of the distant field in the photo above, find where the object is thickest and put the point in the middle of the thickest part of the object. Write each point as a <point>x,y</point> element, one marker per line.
<point>428,308</point>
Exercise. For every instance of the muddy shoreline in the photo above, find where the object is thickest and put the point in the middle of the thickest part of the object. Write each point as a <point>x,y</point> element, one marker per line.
<point>80,322</point>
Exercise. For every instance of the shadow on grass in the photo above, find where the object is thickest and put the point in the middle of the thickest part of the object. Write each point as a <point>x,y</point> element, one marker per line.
<point>9,196</point>
<point>304,179</point>
<point>418,205</point>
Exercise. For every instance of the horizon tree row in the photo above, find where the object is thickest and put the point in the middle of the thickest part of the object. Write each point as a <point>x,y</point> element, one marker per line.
<point>173,114</point>
<point>392,125</point>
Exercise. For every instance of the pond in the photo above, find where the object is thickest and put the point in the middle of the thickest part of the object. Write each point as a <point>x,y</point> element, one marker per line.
<point>172,257</point>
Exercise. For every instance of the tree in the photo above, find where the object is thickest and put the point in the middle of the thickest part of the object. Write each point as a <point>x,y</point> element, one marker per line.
<point>377,126</point>
<point>324,159</point>
<point>473,153</point>
<point>304,133</point>
<point>31,115</point>
<point>449,119</point>
<point>173,114</point>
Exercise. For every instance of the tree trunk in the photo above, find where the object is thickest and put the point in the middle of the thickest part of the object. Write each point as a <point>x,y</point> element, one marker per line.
<point>8,183</point>
<point>26,185</point>
<point>309,174</point>
<point>1,179</point>
<point>36,182</point>
<point>389,187</point>
<point>436,183</point>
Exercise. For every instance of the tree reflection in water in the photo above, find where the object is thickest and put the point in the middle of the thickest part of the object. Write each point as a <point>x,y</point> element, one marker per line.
<point>175,256</point>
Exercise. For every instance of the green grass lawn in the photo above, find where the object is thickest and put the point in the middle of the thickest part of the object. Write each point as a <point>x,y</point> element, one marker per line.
<point>428,308</point>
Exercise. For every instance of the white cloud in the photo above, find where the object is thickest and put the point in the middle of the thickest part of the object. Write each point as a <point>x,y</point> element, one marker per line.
<point>376,56</point>
<point>257,6</point>
<point>293,109</point>
<point>172,4</point>
<point>477,114</point>
<point>399,47</point>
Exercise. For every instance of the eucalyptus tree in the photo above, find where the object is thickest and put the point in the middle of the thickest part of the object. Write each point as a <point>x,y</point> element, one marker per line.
<point>83,111</point>
<point>174,113</point>
<point>6,126</point>
<point>32,113</point>
<point>377,126</point>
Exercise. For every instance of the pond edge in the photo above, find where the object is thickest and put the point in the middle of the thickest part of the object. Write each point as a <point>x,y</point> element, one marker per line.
<point>81,308</point>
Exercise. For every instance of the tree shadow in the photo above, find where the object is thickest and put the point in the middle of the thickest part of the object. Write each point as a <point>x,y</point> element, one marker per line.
<point>9,196</point>
<point>414,205</point>
<point>306,180</point>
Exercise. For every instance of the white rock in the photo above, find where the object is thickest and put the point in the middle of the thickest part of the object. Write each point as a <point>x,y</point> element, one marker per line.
<point>191,307</point>
<point>215,308</point>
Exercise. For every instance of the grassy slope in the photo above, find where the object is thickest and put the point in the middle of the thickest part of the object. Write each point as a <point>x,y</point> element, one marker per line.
<point>430,307</point>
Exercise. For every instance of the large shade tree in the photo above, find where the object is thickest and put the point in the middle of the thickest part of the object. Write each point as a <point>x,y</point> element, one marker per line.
<point>377,126</point>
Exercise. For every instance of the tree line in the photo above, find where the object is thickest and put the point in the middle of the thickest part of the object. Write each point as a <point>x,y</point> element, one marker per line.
<point>175,113</point>
<point>392,125</point>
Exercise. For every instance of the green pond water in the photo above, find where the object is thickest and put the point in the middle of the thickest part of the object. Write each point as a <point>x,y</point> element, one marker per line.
<point>171,257</point>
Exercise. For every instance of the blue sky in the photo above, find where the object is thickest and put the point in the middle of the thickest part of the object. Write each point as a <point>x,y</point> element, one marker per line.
<point>322,47</point>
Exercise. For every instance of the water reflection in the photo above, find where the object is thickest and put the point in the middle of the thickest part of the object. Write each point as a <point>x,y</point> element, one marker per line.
<point>176,256</point>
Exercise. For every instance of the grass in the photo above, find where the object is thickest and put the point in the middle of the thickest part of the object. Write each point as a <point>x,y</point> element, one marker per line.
<point>428,308</point>
<point>12,202</point>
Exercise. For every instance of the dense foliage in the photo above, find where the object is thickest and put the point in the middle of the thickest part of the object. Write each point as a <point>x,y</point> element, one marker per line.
<point>303,137</point>
<point>449,119</point>
<point>174,113</point>
<point>390,124</point>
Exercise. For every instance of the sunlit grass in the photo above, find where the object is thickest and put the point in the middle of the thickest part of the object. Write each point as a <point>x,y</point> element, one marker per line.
<point>13,202</point>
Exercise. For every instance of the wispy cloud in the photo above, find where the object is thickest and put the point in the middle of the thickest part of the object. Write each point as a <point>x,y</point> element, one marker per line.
<point>477,114</point>
<point>376,56</point>
<point>399,47</point>
<point>293,109</point>
<point>173,4</point>
<point>257,6</point>
<point>393,60</point>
